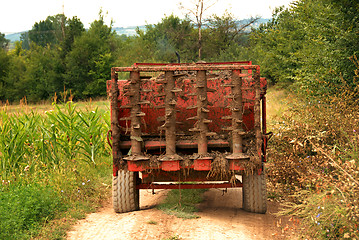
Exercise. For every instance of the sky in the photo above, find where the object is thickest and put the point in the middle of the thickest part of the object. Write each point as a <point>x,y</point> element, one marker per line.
<point>20,15</point>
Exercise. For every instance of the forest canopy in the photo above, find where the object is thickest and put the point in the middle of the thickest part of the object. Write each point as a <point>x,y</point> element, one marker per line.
<point>311,46</point>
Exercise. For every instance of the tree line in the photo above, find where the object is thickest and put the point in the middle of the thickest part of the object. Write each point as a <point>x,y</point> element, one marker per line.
<point>310,46</point>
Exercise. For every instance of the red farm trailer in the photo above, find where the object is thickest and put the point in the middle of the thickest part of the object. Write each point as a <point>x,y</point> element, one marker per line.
<point>200,125</point>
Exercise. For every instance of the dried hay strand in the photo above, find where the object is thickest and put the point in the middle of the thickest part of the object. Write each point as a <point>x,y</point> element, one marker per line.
<point>186,163</point>
<point>154,162</point>
<point>219,167</point>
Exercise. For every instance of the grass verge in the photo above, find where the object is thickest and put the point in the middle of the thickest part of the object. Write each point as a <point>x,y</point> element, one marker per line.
<point>182,203</point>
<point>314,164</point>
<point>54,168</point>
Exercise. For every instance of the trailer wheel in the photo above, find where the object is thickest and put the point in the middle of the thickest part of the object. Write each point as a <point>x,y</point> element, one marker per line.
<point>125,196</point>
<point>254,193</point>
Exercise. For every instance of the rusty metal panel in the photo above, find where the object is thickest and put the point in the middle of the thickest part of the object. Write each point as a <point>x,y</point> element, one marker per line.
<point>136,166</point>
<point>202,164</point>
<point>170,165</point>
<point>217,109</point>
<point>188,186</point>
<point>174,109</point>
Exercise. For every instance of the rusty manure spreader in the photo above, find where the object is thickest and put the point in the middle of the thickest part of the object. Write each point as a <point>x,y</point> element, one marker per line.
<point>200,125</point>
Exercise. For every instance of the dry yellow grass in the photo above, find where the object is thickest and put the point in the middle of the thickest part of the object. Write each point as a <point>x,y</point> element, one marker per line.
<point>23,107</point>
<point>277,104</point>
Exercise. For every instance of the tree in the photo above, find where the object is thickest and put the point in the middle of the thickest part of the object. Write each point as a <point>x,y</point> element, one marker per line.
<point>275,44</point>
<point>196,14</point>
<point>3,41</point>
<point>25,41</point>
<point>4,64</point>
<point>309,44</point>
<point>169,36</point>
<point>224,32</point>
<point>14,83</point>
<point>73,28</point>
<point>4,68</point>
<point>43,33</point>
<point>50,31</point>
<point>41,78</point>
<point>89,61</point>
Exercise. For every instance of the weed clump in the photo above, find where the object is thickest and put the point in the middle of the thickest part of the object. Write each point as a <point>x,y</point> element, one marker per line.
<point>314,164</point>
<point>24,208</point>
<point>182,202</point>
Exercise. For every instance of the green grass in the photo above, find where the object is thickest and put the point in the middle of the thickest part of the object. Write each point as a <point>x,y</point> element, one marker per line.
<point>55,167</point>
<point>24,208</point>
<point>152,222</point>
<point>175,237</point>
<point>182,203</point>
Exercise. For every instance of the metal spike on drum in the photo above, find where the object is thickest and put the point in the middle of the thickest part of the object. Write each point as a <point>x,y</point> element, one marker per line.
<point>227,117</point>
<point>257,116</point>
<point>146,90</point>
<point>192,107</point>
<point>125,119</point>
<point>193,118</point>
<point>143,102</point>
<point>202,112</point>
<point>129,106</point>
<point>136,114</point>
<point>170,117</point>
<point>175,90</point>
<point>237,116</point>
<point>200,136</point>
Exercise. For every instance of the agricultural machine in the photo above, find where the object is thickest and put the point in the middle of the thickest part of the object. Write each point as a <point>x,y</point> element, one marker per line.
<point>200,125</point>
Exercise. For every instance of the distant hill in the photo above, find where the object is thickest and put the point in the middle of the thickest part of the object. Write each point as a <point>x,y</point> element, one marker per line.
<point>13,37</point>
<point>129,31</point>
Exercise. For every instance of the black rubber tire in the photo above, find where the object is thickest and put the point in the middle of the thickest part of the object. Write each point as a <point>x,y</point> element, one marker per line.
<point>125,196</point>
<point>254,193</point>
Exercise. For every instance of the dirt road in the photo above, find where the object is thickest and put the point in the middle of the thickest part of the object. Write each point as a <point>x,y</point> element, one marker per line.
<point>221,217</point>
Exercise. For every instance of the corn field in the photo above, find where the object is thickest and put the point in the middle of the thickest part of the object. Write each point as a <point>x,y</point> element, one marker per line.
<point>36,143</point>
<point>51,162</point>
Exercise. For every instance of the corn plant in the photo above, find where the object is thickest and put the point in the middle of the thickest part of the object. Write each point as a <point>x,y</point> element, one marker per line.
<point>90,135</point>
<point>17,139</point>
<point>36,143</point>
<point>65,123</point>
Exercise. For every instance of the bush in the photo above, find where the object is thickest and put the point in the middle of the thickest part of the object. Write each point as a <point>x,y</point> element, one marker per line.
<point>25,208</point>
<point>314,164</point>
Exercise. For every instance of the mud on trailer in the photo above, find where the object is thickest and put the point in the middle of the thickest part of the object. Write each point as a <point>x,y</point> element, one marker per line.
<point>188,126</point>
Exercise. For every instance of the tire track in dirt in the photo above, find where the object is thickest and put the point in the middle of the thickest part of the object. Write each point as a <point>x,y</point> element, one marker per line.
<point>221,217</point>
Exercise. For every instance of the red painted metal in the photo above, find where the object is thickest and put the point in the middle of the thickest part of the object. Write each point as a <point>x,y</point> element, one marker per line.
<point>234,165</point>
<point>185,67</point>
<point>115,169</point>
<point>179,64</point>
<point>202,164</point>
<point>170,165</point>
<point>181,144</point>
<point>136,166</point>
<point>264,128</point>
<point>109,137</point>
<point>187,186</point>
<point>198,165</point>
<point>185,175</point>
<point>202,109</point>
<point>150,123</point>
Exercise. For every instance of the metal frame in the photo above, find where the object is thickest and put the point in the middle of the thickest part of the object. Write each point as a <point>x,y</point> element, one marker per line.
<point>171,160</point>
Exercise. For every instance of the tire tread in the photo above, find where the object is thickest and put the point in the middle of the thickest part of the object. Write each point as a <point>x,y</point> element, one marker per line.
<point>125,196</point>
<point>254,193</point>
